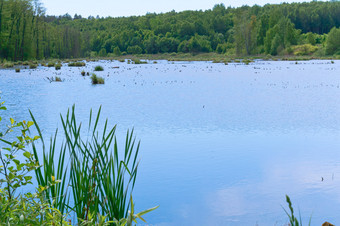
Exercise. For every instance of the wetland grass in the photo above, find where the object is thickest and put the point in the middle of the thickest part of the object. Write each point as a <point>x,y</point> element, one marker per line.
<point>107,175</point>
<point>97,79</point>
<point>98,68</point>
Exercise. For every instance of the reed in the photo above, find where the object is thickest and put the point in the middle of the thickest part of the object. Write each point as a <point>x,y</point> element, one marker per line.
<point>95,180</point>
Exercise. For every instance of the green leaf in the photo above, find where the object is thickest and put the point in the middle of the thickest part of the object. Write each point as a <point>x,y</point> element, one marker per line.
<point>12,121</point>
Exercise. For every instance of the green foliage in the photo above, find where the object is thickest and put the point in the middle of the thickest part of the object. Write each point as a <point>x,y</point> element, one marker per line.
<point>107,179</point>
<point>302,50</point>
<point>51,64</point>
<point>8,65</point>
<point>333,42</point>
<point>98,68</point>
<point>26,33</point>
<point>96,79</point>
<point>17,70</point>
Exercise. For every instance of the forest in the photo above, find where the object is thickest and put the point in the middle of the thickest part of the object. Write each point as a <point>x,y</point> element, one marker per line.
<point>312,28</point>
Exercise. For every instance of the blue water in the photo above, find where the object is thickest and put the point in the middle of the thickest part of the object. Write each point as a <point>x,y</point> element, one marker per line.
<point>220,144</point>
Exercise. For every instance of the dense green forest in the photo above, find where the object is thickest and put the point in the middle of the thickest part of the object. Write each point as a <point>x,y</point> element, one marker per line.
<point>26,32</point>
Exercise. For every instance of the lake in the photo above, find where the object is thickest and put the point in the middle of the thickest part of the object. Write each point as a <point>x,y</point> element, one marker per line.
<point>220,144</point>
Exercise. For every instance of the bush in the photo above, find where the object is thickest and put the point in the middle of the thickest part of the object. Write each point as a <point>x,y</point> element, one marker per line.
<point>134,49</point>
<point>302,50</point>
<point>98,68</point>
<point>333,41</point>
<point>96,79</point>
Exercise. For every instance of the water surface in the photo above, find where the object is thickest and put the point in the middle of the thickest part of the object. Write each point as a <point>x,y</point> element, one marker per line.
<point>220,144</point>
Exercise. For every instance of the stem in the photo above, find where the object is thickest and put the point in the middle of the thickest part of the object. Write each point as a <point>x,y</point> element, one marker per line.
<point>6,175</point>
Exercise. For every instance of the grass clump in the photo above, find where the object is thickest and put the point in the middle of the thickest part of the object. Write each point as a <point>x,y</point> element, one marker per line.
<point>76,64</point>
<point>96,79</point>
<point>82,73</point>
<point>8,65</point>
<point>17,70</point>
<point>98,68</point>
<point>138,61</point>
<point>57,66</point>
<point>54,79</point>
<point>51,64</point>
<point>33,66</point>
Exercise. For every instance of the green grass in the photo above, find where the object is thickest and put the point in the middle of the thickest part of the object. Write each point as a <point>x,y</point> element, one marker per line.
<point>96,79</point>
<point>107,176</point>
<point>98,68</point>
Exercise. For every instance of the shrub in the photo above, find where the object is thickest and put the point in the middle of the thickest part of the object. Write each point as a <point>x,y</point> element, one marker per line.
<point>96,79</point>
<point>302,50</point>
<point>98,68</point>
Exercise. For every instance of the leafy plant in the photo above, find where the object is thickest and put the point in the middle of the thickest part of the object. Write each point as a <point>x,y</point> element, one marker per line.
<point>292,219</point>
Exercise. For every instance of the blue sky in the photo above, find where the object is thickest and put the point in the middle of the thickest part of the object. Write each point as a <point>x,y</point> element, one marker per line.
<point>116,8</point>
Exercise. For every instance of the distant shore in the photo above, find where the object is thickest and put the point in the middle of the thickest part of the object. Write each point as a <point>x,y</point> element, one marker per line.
<point>140,58</point>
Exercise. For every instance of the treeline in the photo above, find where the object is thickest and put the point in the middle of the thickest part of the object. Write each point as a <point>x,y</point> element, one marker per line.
<point>295,29</point>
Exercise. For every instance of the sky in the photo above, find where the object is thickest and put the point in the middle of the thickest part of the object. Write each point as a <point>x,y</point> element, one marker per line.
<point>115,8</point>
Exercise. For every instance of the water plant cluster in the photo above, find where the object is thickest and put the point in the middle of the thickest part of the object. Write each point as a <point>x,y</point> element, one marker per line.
<point>84,180</point>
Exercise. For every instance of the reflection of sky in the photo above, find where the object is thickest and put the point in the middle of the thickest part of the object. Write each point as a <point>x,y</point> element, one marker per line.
<point>221,144</point>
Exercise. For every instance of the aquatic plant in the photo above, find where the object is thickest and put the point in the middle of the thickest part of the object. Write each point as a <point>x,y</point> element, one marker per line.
<point>17,70</point>
<point>54,79</point>
<point>98,68</point>
<point>137,61</point>
<point>292,219</point>
<point>33,66</point>
<point>82,73</point>
<point>76,64</point>
<point>51,64</point>
<point>58,66</point>
<point>96,79</point>
<point>107,179</point>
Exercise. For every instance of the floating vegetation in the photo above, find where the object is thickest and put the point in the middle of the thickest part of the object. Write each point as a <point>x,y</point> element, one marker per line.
<point>83,73</point>
<point>76,64</point>
<point>96,79</point>
<point>17,70</point>
<point>54,79</point>
<point>98,68</point>
<point>58,66</point>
